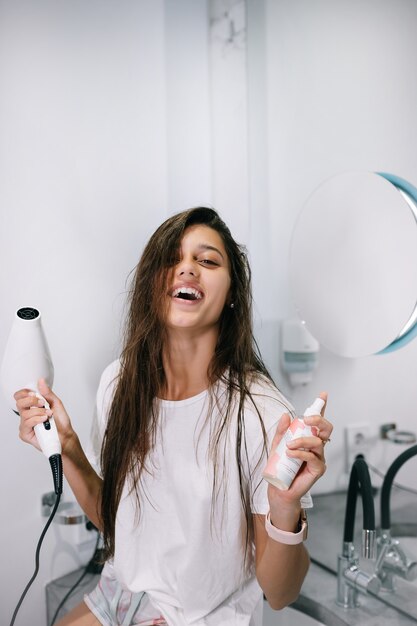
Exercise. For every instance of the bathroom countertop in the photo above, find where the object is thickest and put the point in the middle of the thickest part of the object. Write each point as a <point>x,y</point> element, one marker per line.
<point>324,544</point>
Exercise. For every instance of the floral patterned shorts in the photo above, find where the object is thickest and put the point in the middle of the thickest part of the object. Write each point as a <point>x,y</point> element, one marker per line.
<point>114,606</point>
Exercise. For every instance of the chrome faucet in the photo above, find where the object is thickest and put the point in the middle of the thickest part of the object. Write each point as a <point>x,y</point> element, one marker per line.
<point>350,579</point>
<point>392,561</point>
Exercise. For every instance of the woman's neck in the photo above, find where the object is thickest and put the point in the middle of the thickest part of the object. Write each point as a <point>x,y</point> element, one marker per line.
<point>186,360</point>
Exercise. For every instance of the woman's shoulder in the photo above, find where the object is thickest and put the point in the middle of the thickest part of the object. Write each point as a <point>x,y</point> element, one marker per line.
<point>264,403</point>
<point>263,391</point>
<point>110,373</point>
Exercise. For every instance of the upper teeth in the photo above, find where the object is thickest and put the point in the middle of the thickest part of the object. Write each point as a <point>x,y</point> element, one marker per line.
<point>188,290</point>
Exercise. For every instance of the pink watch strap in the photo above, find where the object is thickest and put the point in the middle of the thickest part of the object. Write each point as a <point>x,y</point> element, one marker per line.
<point>283,536</point>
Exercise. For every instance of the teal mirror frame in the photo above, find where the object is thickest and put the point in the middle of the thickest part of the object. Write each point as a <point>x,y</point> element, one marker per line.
<point>411,195</point>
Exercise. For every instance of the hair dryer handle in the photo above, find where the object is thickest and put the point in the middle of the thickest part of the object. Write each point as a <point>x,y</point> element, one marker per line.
<point>47,434</point>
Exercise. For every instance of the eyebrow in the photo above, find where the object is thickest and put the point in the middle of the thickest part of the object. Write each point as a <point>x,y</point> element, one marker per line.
<point>206,246</point>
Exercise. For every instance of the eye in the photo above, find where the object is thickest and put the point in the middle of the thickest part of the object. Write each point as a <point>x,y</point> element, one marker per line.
<point>208,262</point>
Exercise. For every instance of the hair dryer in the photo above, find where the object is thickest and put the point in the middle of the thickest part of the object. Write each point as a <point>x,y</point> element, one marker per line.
<point>26,360</point>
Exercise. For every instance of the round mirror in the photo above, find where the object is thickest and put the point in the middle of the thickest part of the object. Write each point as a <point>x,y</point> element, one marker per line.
<point>353,263</point>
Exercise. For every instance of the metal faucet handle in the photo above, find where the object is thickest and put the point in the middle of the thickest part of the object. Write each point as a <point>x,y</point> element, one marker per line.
<point>368,582</point>
<point>397,561</point>
<point>393,561</point>
<point>411,573</point>
<point>362,581</point>
<point>351,579</point>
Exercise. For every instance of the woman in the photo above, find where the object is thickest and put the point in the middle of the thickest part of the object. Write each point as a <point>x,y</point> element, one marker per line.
<point>189,413</point>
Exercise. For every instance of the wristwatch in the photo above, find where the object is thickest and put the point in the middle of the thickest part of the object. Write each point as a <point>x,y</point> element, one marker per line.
<point>283,536</point>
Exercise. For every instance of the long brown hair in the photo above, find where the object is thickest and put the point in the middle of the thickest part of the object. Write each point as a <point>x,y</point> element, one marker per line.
<point>132,421</point>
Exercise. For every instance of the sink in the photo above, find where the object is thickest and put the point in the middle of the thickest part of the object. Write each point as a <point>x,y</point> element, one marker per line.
<point>303,612</point>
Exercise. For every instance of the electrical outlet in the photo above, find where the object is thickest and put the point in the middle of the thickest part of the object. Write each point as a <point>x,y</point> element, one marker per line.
<point>357,441</point>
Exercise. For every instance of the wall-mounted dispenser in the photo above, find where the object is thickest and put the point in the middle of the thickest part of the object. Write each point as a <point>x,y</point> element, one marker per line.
<point>299,352</point>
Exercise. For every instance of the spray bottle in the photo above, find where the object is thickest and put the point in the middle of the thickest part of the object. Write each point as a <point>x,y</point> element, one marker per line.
<point>26,360</point>
<point>281,469</point>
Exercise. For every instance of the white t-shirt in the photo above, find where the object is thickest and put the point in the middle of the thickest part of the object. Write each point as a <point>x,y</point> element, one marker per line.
<point>188,560</point>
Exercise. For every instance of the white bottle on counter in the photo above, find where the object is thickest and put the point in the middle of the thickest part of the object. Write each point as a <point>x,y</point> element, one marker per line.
<point>280,469</point>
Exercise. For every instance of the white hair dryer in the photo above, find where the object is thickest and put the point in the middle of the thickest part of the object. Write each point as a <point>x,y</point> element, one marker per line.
<point>26,360</point>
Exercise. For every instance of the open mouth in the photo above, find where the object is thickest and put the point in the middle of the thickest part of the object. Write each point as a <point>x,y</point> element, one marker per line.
<point>187,293</point>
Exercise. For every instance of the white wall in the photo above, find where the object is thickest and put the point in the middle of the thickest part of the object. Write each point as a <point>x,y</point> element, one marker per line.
<point>338,92</point>
<point>97,148</point>
<point>114,115</point>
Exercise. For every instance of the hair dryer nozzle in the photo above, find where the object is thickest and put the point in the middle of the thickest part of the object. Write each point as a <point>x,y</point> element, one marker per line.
<point>28,313</point>
<point>27,357</point>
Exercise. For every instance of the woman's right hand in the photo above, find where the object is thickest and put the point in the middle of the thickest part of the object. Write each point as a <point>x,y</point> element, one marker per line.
<point>33,412</point>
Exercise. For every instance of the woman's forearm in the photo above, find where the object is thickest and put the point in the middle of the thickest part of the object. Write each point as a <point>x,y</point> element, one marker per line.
<point>281,571</point>
<point>280,568</point>
<point>83,480</point>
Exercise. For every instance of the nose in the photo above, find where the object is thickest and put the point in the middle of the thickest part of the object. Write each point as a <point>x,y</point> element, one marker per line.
<point>187,267</point>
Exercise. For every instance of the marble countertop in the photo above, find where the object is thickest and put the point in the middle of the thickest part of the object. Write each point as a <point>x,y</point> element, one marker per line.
<point>324,544</point>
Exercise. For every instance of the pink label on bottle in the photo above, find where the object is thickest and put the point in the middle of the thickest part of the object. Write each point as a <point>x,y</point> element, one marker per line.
<point>281,469</point>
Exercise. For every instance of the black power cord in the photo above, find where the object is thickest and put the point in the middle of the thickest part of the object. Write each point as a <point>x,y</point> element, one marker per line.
<point>92,567</point>
<point>55,461</point>
<point>38,549</point>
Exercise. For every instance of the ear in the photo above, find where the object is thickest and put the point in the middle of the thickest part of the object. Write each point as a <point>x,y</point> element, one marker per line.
<point>230,300</point>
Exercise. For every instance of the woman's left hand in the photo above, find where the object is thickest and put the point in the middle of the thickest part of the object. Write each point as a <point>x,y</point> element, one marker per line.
<point>310,450</point>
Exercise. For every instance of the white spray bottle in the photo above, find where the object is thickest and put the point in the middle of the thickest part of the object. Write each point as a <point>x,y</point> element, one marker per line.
<point>281,469</point>
<point>26,360</point>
